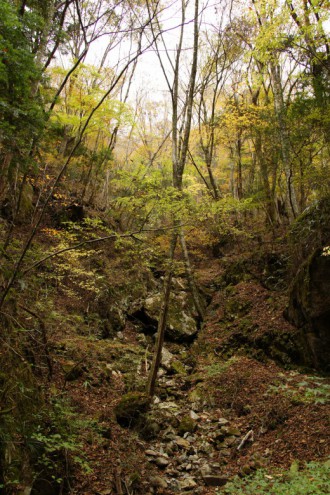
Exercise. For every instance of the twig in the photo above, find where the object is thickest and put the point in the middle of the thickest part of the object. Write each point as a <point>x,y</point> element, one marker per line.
<point>248,437</point>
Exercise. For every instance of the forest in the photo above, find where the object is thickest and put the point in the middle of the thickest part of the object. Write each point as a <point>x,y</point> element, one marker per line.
<point>164,247</point>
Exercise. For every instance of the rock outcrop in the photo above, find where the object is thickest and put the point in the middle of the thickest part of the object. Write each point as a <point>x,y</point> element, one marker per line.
<point>309,308</point>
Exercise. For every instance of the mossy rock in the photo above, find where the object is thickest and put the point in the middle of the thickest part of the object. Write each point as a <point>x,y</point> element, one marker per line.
<point>177,368</point>
<point>187,425</point>
<point>181,325</point>
<point>131,407</point>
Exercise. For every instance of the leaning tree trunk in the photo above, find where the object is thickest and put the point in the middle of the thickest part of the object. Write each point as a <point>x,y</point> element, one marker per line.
<point>157,357</point>
<point>180,146</point>
<point>198,303</point>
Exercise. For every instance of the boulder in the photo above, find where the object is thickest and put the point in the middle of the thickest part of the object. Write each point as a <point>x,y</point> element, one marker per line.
<point>181,326</point>
<point>309,308</point>
<point>187,425</point>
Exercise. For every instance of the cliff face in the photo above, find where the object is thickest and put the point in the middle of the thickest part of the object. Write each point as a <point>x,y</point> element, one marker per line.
<point>309,308</point>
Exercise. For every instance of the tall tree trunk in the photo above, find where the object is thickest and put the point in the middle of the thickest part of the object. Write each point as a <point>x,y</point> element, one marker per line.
<point>270,200</point>
<point>239,178</point>
<point>292,203</point>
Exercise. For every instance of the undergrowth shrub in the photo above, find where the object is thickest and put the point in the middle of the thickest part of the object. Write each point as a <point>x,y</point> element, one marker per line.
<point>314,479</point>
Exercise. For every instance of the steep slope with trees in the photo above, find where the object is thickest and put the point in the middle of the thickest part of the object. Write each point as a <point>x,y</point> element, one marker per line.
<point>164,288</point>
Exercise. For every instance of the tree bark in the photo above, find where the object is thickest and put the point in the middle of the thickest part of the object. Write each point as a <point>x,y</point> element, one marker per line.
<point>292,203</point>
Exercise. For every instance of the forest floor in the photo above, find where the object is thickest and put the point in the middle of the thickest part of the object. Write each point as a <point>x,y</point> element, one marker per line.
<point>245,402</point>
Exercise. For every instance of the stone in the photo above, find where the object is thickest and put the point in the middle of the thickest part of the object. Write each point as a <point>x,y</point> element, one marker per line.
<point>152,453</point>
<point>188,484</point>
<point>167,358</point>
<point>168,405</point>
<point>161,462</point>
<point>174,484</point>
<point>169,434</point>
<point>177,368</point>
<point>205,470</point>
<point>230,431</point>
<point>187,424</point>
<point>149,426</point>
<point>193,415</point>
<point>170,448</point>
<point>183,443</point>
<point>113,316</point>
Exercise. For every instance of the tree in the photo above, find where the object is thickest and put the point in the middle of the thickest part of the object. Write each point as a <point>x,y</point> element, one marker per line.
<point>121,71</point>
<point>181,126</point>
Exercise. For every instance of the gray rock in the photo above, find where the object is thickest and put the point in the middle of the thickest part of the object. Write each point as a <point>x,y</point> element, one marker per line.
<point>152,453</point>
<point>193,415</point>
<point>205,470</point>
<point>161,462</point>
<point>230,431</point>
<point>182,443</point>
<point>169,434</point>
<point>168,405</point>
<point>188,484</point>
<point>181,326</point>
<point>167,358</point>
